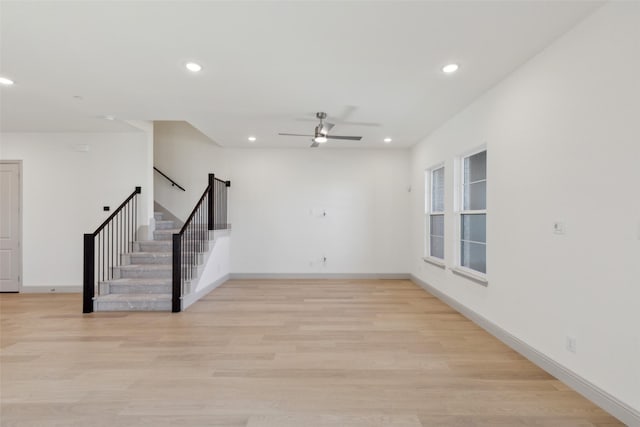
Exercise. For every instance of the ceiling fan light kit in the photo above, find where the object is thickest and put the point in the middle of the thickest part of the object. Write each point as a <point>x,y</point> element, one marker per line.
<point>320,139</point>
<point>321,132</point>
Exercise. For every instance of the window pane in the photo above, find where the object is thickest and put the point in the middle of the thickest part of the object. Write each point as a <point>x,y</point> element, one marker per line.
<point>474,227</point>
<point>475,167</point>
<point>475,196</point>
<point>437,190</point>
<point>474,256</point>
<point>437,225</point>
<point>437,247</point>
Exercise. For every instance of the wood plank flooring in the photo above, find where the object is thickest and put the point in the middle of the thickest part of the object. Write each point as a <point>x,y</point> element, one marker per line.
<point>276,353</point>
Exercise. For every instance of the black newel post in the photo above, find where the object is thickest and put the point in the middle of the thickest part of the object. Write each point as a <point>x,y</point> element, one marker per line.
<point>176,274</point>
<point>88,274</point>
<point>212,181</point>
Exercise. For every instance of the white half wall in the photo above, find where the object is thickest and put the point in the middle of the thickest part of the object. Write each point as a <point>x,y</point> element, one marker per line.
<point>63,194</point>
<point>563,139</point>
<point>215,270</point>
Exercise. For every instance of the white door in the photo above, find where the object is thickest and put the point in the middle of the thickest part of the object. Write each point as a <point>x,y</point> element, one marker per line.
<point>10,252</point>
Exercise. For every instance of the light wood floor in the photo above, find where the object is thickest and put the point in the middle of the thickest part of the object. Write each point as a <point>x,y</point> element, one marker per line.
<point>273,354</point>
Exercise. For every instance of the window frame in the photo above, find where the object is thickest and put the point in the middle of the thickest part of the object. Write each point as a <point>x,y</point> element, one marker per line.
<point>430,212</point>
<point>459,211</point>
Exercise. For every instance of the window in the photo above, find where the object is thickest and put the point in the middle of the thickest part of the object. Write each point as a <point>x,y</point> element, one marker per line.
<point>435,213</point>
<point>473,215</point>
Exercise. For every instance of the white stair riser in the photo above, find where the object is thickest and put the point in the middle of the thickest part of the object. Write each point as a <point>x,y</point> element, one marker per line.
<point>140,273</point>
<point>132,305</point>
<point>120,288</point>
<point>163,235</point>
<point>165,225</point>
<point>152,246</point>
<point>158,258</point>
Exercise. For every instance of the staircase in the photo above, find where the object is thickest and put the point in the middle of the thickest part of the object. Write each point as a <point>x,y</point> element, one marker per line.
<point>168,273</point>
<point>143,281</point>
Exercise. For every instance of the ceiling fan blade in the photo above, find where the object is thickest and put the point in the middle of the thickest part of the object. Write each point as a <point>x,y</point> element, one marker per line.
<point>293,134</point>
<point>348,138</point>
<point>368,124</point>
<point>326,127</point>
<point>315,144</point>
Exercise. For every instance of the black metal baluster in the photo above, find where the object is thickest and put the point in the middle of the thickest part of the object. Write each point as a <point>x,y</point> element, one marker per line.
<point>135,218</point>
<point>100,243</point>
<point>117,254</point>
<point>193,249</point>
<point>108,237</point>
<point>203,234</point>
<point>127,229</point>
<point>103,253</point>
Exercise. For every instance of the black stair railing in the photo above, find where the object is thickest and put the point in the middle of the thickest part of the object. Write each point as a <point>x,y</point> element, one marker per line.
<point>173,183</point>
<point>210,213</point>
<point>103,249</point>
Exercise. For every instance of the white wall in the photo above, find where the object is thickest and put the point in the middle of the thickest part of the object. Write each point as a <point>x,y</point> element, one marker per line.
<point>277,201</point>
<point>277,197</point>
<point>563,137</point>
<point>64,191</point>
<point>147,128</point>
<point>187,156</point>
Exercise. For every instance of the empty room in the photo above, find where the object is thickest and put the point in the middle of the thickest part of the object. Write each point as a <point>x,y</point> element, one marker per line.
<point>320,213</point>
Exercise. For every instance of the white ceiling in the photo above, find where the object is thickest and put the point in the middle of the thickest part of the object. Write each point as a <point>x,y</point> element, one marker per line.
<point>266,64</point>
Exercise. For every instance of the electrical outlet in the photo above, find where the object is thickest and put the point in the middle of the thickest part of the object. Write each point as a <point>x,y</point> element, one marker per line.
<point>558,227</point>
<point>571,344</point>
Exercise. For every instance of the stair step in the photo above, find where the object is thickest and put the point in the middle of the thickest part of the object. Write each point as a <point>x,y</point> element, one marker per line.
<point>165,224</point>
<point>166,234</point>
<point>133,302</point>
<point>136,286</point>
<point>158,216</point>
<point>150,257</point>
<point>139,271</point>
<point>153,245</point>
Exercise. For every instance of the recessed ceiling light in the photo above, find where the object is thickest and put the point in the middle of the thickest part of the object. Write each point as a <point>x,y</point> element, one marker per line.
<point>5,81</point>
<point>252,138</point>
<point>451,68</point>
<point>192,66</point>
<point>387,140</point>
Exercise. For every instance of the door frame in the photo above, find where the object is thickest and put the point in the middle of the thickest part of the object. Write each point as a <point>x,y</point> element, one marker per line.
<point>20,213</point>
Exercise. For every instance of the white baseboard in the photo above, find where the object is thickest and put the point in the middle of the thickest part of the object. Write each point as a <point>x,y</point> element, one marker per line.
<point>606,401</point>
<point>188,300</point>
<point>303,276</point>
<point>53,289</point>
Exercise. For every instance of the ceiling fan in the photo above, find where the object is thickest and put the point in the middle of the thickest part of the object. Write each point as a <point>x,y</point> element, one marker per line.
<point>321,132</point>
